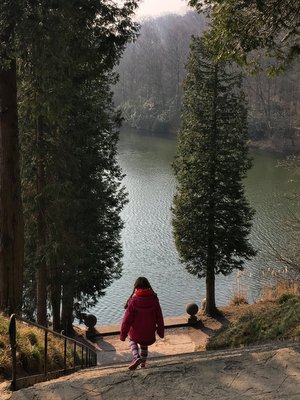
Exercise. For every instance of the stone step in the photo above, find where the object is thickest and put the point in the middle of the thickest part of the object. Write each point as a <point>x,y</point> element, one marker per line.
<point>210,354</point>
<point>265,372</point>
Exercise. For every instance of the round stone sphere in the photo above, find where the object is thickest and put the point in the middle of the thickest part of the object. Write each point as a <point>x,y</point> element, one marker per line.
<point>192,309</point>
<point>90,320</point>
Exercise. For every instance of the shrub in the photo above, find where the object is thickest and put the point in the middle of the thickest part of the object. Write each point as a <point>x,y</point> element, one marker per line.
<point>238,299</point>
<point>285,297</point>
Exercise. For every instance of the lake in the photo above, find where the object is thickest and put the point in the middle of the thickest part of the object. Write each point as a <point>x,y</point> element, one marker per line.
<point>148,244</point>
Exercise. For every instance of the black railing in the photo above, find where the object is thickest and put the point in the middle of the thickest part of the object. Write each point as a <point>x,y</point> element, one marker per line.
<point>88,356</point>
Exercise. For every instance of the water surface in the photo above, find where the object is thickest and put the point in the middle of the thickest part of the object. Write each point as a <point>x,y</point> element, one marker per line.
<point>148,244</point>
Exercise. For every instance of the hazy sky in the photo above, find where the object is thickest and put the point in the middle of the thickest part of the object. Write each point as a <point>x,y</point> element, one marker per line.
<point>156,7</point>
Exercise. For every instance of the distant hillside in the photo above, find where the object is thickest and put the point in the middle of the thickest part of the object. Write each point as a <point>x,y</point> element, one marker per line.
<point>152,71</point>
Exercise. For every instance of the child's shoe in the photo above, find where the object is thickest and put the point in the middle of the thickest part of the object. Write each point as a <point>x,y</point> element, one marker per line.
<point>135,363</point>
<point>143,364</point>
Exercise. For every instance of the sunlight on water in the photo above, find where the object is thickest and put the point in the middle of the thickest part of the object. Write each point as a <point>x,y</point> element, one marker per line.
<point>147,240</point>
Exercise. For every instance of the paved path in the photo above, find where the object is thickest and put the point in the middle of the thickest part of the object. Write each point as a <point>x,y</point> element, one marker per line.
<point>177,341</point>
<point>265,374</point>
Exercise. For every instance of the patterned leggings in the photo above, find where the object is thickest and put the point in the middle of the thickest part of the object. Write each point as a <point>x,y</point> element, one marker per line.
<point>135,350</point>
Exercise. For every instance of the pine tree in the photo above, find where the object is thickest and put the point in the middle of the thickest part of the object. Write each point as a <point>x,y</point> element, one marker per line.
<point>90,248</point>
<point>252,31</point>
<point>211,216</point>
<point>71,178</point>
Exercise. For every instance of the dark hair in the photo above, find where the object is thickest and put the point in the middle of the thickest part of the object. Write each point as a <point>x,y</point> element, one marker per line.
<point>140,283</point>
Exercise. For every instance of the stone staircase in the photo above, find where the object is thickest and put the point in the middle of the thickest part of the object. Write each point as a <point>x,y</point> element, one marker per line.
<point>266,372</point>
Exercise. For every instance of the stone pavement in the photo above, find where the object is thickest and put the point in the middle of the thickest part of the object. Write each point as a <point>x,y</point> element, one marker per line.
<point>178,339</point>
<point>259,373</point>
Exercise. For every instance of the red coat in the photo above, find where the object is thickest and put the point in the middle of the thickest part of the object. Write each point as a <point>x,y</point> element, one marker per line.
<point>143,317</point>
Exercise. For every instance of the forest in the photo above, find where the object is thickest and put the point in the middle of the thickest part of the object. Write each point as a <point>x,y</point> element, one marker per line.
<point>61,191</point>
<point>61,187</point>
<point>152,71</point>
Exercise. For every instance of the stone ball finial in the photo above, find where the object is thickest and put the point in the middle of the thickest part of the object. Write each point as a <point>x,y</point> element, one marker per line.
<point>192,310</point>
<point>90,321</point>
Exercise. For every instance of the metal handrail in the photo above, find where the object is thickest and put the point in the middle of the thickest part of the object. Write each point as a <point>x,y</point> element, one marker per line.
<point>18,383</point>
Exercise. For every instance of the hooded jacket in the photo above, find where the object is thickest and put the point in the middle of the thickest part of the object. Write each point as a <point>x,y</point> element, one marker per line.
<point>142,318</point>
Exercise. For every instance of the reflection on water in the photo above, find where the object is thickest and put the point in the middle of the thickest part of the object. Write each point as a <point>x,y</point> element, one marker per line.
<point>148,245</point>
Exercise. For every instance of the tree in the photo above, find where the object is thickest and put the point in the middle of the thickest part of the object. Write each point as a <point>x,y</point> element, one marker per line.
<point>71,178</point>
<point>87,229</point>
<point>11,217</point>
<point>211,216</point>
<point>241,27</point>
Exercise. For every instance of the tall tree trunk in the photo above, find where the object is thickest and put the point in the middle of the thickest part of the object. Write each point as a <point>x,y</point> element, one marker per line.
<point>210,307</point>
<point>11,213</point>
<point>67,308</point>
<point>210,304</point>
<point>55,290</point>
<point>41,274</point>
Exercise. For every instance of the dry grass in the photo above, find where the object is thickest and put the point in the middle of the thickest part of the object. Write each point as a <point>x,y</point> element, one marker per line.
<point>30,351</point>
<point>276,316</point>
<point>274,293</point>
<point>238,299</point>
<point>4,346</point>
<point>258,323</point>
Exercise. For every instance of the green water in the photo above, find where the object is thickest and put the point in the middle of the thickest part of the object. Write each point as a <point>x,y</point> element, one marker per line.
<point>147,238</point>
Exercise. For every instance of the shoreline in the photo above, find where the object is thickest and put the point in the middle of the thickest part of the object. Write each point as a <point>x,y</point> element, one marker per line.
<point>285,147</point>
<point>114,329</point>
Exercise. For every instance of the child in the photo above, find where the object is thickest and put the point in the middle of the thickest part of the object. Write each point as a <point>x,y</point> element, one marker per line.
<point>143,317</point>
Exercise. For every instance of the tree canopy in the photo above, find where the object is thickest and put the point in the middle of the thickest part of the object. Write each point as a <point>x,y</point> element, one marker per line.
<point>247,30</point>
<point>65,53</point>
